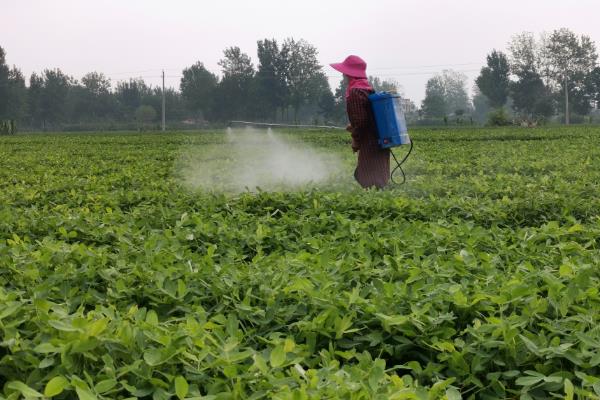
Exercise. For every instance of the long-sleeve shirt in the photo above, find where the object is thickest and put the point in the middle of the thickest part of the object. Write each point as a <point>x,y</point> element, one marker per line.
<point>373,167</point>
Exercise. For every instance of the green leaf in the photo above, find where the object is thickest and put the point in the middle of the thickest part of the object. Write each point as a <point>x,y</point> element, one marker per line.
<point>23,389</point>
<point>46,362</point>
<point>459,298</point>
<point>260,363</point>
<point>181,387</point>
<point>9,308</point>
<point>105,385</point>
<point>152,317</point>
<point>277,357</point>
<point>153,357</point>
<point>569,390</point>
<point>46,348</point>
<point>85,393</point>
<point>529,380</point>
<point>453,394</point>
<point>55,386</point>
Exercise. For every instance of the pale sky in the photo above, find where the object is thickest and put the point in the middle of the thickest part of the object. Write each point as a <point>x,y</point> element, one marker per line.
<point>408,41</point>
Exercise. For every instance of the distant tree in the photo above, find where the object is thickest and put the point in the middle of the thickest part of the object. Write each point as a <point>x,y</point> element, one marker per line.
<point>17,96</point>
<point>271,85</point>
<point>531,97</point>
<point>53,99</point>
<point>129,95</point>
<point>93,99</point>
<point>302,66</point>
<point>4,85</point>
<point>493,81</point>
<point>383,85</point>
<point>319,101</point>
<point>175,107</point>
<point>446,94</point>
<point>457,99</point>
<point>592,84</point>
<point>560,61</point>
<point>96,83</point>
<point>531,90</point>
<point>197,88</point>
<point>144,115</point>
<point>525,54</point>
<point>327,106</point>
<point>434,104</point>
<point>481,106</point>
<point>34,99</point>
<point>570,59</point>
<point>339,96</point>
<point>233,94</point>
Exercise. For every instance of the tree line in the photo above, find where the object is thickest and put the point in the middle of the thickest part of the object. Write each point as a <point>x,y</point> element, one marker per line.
<point>552,75</point>
<point>535,79</point>
<point>286,84</point>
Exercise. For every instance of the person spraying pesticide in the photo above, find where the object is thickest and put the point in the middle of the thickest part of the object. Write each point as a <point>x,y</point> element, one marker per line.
<point>376,124</point>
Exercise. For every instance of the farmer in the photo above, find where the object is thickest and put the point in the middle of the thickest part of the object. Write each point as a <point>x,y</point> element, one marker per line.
<point>373,167</point>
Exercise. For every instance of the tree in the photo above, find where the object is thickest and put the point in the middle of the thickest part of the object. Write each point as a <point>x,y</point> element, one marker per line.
<point>51,99</point>
<point>16,95</point>
<point>129,95</point>
<point>531,97</point>
<point>4,85</point>
<point>319,101</point>
<point>446,94</point>
<point>570,60</point>
<point>144,115</point>
<point>339,111</point>
<point>434,104</point>
<point>457,99</point>
<point>233,94</point>
<point>592,84</point>
<point>481,106</point>
<point>302,66</point>
<point>531,91</point>
<point>493,81</point>
<point>92,100</point>
<point>525,54</point>
<point>197,87</point>
<point>271,78</point>
<point>383,85</point>
<point>34,95</point>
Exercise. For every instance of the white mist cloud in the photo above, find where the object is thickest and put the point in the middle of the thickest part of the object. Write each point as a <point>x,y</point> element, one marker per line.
<point>249,159</point>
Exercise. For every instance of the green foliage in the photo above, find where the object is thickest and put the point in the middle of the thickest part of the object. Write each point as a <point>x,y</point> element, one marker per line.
<point>145,114</point>
<point>8,127</point>
<point>498,117</point>
<point>197,88</point>
<point>493,81</point>
<point>532,99</point>
<point>446,94</point>
<point>478,279</point>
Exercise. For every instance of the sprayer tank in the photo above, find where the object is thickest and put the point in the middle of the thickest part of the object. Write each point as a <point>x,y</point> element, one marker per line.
<point>389,118</point>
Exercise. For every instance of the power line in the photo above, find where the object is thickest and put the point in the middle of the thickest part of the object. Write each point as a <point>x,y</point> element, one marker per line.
<point>131,72</point>
<point>426,66</point>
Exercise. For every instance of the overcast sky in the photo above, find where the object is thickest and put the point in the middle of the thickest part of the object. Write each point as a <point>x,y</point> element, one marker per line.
<point>408,41</point>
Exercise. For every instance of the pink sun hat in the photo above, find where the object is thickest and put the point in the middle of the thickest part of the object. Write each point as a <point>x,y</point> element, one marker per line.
<point>353,66</point>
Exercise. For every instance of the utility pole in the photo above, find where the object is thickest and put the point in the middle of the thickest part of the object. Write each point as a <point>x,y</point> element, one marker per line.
<point>566,100</point>
<point>163,101</point>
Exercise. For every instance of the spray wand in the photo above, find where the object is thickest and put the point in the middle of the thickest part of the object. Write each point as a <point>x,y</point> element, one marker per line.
<point>396,168</point>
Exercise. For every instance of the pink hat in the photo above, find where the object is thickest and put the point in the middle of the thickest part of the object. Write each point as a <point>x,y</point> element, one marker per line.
<point>353,66</point>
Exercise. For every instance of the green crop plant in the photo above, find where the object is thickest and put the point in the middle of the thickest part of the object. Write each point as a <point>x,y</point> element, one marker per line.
<point>478,279</point>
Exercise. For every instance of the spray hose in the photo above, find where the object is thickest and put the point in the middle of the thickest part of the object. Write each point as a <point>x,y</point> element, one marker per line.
<point>399,165</point>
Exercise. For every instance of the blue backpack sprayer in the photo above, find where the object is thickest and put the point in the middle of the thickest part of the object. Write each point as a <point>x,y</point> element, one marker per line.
<point>391,126</point>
